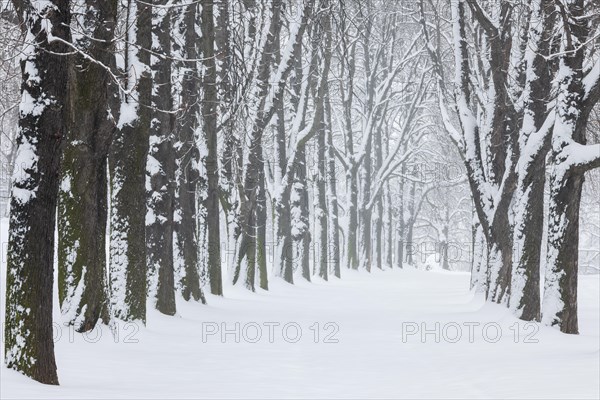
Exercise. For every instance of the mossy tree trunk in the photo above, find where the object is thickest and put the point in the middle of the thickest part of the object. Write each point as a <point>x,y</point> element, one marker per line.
<point>82,211</point>
<point>29,344</point>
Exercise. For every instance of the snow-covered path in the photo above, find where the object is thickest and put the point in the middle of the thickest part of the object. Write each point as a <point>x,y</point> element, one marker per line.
<point>178,357</point>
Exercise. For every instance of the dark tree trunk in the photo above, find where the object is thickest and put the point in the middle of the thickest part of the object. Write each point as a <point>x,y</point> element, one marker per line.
<point>127,160</point>
<point>401,227</point>
<point>188,158</point>
<point>576,98</point>
<point>93,107</point>
<point>29,345</point>
<point>161,167</point>
<point>352,218</point>
<point>333,213</point>
<point>299,210</point>
<point>563,249</point>
<point>261,233</point>
<point>390,229</point>
<point>529,215</point>
<point>411,248</point>
<point>365,211</point>
<point>209,115</point>
<point>322,200</point>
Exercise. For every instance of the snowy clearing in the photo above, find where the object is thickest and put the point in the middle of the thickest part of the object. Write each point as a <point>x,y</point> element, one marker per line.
<point>374,356</point>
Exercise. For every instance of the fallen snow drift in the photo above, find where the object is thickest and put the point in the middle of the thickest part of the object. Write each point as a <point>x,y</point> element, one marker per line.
<point>373,346</point>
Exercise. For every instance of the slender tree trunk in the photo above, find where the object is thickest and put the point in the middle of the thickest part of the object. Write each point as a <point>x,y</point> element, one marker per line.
<point>408,244</point>
<point>378,228</point>
<point>209,115</point>
<point>390,229</point>
<point>29,346</point>
<point>445,239</point>
<point>352,218</point>
<point>365,212</point>
<point>378,250</point>
<point>188,158</point>
<point>401,227</point>
<point>321,211</point>
<point>261,233</point>
<point>161,167</point>
<point>333,213</point>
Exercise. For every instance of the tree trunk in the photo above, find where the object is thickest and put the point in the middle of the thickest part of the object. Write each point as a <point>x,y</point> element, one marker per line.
<point>161,167</point>
<point>352,217</point>
<point>29,346</point>
<point>321,211</point>
<point>479,261</point>
<point>261,233</point>
<point>365,211</point>
<point>445,240</point>
<point>575,100</point>
<point>390,229</point>
<point>82,210</point>
<point>188,157</point>
<point>529,210</point>
<point>560,294</point>
<point>411,247</point>
<point>401,227</point>
<point>333,213</point>
<point>209,115</point>
<point>299,212</point>
<point>127,160</point>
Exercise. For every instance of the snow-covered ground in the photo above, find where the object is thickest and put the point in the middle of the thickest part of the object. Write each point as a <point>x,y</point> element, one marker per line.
<point>370,344</point>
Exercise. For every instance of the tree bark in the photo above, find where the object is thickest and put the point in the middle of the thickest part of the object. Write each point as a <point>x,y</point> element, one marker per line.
<point>127,161</point>
<point>322,200</point>
<point>29,346</point>
<point>82,210</point>
<point>209,115</point>
<point>569,161</point>
<point>333,213</point>
<point>188,175</point>
<point>529,214</point>
<point>161,167</point>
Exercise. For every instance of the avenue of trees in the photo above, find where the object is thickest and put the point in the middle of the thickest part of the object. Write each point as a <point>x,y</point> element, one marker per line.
<point>176,144</point>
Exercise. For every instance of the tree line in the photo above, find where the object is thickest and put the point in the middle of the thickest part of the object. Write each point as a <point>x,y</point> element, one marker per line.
<point>527,78</point>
